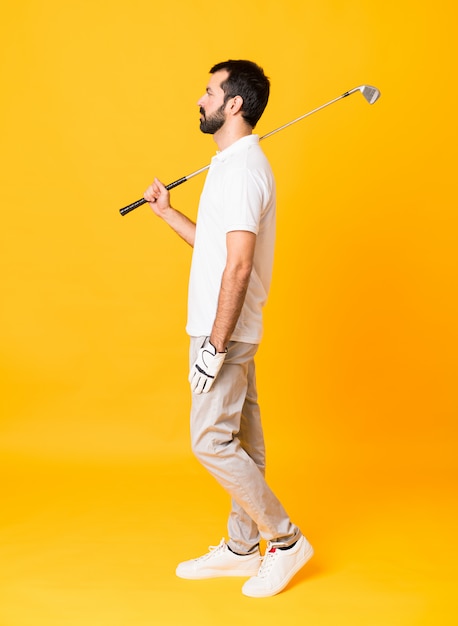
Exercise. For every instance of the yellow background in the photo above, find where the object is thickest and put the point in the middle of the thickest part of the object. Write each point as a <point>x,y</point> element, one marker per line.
<point>358,369</point>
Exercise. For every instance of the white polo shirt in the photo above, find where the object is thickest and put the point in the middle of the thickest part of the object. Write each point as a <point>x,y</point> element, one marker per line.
<point>239,194</point>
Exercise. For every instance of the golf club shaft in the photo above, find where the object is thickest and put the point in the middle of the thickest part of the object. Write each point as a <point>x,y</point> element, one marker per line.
<point>182,180</point>
<point>298,119</point>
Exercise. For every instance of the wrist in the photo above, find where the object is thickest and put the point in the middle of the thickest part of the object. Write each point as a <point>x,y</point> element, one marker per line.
<point>168,212</point>
<point>218,345</point>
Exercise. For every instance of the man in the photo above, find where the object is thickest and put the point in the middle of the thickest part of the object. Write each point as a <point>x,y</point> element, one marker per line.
<point>231,269</point>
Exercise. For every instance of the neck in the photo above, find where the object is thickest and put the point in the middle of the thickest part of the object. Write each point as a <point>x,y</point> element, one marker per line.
<point>227,135</point>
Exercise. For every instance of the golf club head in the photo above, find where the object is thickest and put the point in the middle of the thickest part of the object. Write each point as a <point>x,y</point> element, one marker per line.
<point>372,94</point>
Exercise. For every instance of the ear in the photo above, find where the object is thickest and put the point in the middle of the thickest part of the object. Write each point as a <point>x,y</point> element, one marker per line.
<point>235,104</point>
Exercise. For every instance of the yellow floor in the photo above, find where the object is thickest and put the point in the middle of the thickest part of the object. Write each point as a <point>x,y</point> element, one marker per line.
<point>89,543</point>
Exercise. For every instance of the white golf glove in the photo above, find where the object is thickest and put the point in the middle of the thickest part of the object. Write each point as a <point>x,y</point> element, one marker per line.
<point>206,368</point>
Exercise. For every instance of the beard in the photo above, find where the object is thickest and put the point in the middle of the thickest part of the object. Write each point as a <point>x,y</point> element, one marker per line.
<point>211,124</point>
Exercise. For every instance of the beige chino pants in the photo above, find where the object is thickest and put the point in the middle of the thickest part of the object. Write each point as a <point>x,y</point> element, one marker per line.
<point>227,438</point>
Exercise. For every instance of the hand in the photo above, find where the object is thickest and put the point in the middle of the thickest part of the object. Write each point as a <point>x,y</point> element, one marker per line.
<point>158,197</point>
<point>206,368</point>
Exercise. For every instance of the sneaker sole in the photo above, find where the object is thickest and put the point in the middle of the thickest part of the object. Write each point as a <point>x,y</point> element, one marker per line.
<point>272,592</point>
<point>216,574</point>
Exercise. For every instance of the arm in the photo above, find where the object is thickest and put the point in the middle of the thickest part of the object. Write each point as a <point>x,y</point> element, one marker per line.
<point>158,198</point>
<point>234,283</point>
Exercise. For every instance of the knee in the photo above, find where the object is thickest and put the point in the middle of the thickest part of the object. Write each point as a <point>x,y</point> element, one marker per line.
<point>207,446</point>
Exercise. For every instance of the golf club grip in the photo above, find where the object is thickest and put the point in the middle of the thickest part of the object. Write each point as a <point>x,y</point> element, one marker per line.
<point>135,205</point>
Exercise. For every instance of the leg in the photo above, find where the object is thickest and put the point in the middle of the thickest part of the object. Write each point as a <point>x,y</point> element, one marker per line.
<point>243,532</point>
<point>216,421</point>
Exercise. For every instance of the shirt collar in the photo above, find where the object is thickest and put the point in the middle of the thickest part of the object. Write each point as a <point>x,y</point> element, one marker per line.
<point>237,146</point>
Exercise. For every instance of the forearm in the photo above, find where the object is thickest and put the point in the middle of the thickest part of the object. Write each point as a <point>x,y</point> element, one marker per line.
<point>232,294</point>
<point>158,197</point>
<point>182,225</point>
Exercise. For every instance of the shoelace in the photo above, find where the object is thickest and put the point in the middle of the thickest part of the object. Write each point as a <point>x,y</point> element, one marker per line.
<point>268,560</point>
<point>213,550</point>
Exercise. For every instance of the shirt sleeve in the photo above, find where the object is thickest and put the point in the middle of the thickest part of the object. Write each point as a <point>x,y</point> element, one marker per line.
<point>243,200</point>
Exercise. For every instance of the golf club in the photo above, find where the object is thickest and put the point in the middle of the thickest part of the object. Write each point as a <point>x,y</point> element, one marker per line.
<point>371,94</point>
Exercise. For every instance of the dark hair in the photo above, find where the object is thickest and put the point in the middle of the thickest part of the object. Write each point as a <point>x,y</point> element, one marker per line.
<point>246,79</point>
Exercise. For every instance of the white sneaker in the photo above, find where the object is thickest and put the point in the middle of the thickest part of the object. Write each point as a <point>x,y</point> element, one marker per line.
<point>220,561</point>
<point>277,569</point>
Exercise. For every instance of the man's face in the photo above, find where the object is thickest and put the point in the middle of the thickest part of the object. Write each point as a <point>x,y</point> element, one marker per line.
<point>212,104</point>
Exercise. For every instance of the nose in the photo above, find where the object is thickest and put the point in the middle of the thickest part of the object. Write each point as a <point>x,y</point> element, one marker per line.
<point>200,101</point>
